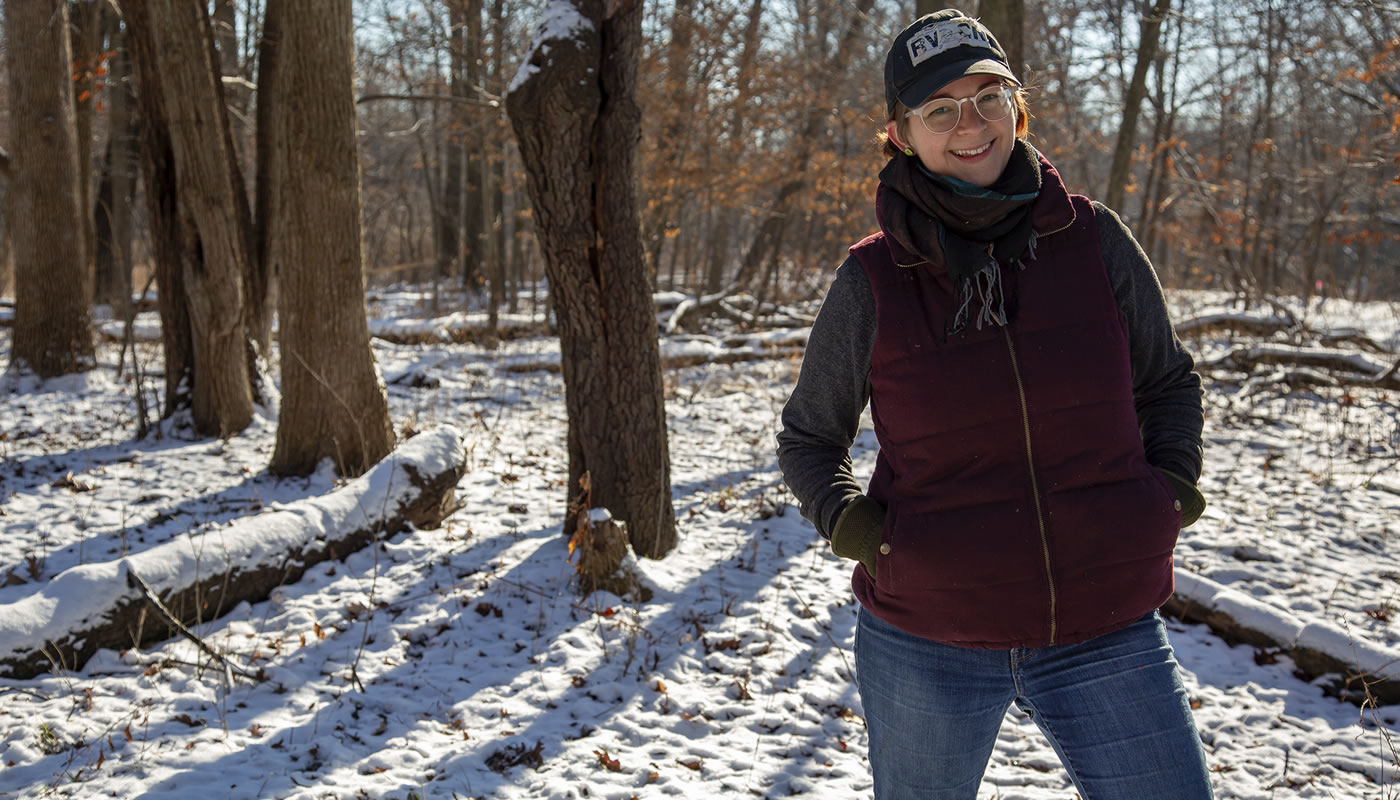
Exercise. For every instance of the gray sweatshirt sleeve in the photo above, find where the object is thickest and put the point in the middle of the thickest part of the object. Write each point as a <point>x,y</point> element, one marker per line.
<point>822,416</point>
<point>1165,388</point>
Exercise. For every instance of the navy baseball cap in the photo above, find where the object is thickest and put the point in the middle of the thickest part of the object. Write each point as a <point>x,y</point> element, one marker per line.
<point>936,50</point>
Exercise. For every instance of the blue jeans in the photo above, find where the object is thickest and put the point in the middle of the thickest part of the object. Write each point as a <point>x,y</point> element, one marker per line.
<point>1113,708</point>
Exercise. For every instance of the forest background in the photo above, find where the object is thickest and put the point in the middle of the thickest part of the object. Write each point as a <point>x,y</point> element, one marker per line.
<point>251,172</point>
<point>1264,159</point>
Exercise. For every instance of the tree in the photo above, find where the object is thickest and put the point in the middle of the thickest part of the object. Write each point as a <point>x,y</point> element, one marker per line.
<point>333,401</point>
<point>1151,31</point>
<point>199,210</point>
<point>768,240</point>
<point>578,139</point>
<point>52,335</point>
<point>117,187</point>
<point>1006,20</point>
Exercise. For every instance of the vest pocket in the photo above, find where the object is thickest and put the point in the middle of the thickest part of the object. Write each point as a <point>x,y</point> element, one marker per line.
<point>884,557</point>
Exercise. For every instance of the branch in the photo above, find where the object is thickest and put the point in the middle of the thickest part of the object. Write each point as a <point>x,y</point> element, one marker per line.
<point>486,99</point>
<point>134,581</point>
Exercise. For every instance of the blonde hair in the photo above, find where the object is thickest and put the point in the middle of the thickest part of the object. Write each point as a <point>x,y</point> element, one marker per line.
<point>1019,106</point>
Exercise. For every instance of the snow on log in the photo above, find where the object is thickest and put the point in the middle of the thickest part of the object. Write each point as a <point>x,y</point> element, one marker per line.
<point>1316,648</point>
<point>1249,324</point>
<point>459,328</point>
<point>1346,366</point>
<point>689,351</point>
<point>200,577</point>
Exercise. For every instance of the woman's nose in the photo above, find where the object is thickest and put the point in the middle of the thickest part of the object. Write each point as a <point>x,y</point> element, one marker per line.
<point>969,119</point>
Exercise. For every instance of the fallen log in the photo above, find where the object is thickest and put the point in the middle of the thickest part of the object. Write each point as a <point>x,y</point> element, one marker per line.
<point>692,352</point>
<point>1360,671</point>
<point>1347,367</point>
<point>1265,327</point>
<point>1247,324</point>
<point>202,576</point>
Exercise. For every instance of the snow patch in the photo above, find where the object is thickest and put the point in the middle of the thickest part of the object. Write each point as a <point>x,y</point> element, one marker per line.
<point>559,21</point>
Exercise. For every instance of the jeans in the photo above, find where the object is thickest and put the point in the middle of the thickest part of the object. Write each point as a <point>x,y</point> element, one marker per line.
<point>1112,707</point>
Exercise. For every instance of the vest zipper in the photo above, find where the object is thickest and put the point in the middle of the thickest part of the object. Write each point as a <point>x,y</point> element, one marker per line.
<point>1035,488</point>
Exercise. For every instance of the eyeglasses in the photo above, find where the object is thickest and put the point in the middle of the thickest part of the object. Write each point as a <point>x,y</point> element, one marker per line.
<point>942,115</point>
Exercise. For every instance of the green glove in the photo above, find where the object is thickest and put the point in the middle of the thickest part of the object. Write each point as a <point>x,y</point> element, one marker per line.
<point>856,534</point>
<point>1191,499</point>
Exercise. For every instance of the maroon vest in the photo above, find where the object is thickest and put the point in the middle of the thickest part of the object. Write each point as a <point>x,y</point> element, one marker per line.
<point>1021,510</point>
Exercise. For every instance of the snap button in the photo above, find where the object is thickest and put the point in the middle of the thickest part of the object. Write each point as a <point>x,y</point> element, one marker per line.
<point>1176,504</point>
<point>884,549</point>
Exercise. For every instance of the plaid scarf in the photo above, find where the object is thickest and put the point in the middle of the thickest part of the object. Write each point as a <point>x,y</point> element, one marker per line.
<point>964,228</point>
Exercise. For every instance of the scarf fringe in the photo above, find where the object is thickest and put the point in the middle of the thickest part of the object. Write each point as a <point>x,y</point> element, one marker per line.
<point>988,288</point>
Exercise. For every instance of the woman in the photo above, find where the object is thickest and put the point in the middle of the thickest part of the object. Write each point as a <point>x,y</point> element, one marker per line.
<point>1040,441</point>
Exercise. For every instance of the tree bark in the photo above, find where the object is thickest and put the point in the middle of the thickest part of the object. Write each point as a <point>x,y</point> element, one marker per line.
<point>267,193</point>
<point>449,227</point>
<point>579,143</point>
<point>88,21</point>
<point>333,401</point>
<point>181,93</point>
<point>117,191</point>
<point>1150,32</point>
<point>52,335</point>
<point>1006,20</point>
<point>474,208</point>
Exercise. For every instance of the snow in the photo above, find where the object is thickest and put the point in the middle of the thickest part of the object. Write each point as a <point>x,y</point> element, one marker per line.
<point>461,660</point>
<point>76,597</point>
<point>559,21</point>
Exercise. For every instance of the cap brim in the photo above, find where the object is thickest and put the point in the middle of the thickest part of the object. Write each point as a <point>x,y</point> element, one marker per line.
<point>917,93</point>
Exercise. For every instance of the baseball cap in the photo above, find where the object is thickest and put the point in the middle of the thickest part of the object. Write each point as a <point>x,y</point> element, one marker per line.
<point>936,50</point>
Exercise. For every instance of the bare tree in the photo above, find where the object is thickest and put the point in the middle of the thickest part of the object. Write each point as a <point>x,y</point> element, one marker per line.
<point>117,187</point>
<point>195,191</point>
<point>1150,32</point>
<point>52,335</point>
<point>333,401</point>
<point>578,139</point>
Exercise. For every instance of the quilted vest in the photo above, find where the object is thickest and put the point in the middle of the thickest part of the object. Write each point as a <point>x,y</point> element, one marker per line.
<point>1020,507</point>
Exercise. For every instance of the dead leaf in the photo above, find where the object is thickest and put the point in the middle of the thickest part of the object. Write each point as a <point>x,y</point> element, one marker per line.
<point>612,764</point>
<point>190,721</point>
<point>693,763</point>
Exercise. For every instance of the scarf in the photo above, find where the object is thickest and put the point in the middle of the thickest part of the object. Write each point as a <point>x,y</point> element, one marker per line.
<point>962,227</point>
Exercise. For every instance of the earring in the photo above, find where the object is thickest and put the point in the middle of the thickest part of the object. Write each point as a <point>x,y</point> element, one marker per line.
<point>908,151</point>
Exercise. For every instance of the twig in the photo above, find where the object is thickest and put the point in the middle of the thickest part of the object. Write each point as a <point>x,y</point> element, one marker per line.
<point>30,692</point>
<point>135,581</point>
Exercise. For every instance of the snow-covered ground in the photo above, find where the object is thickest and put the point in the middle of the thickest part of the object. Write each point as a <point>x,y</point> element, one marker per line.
<point>483,674</point>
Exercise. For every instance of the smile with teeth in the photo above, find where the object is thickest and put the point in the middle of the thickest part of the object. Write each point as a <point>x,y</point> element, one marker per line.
<point>970,153</point>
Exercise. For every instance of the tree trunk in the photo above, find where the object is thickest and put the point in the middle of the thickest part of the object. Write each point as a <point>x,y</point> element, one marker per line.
<point>88,21</point>
<point>1151,30</point>
<point>267,193</point>
<point>52,335</point>
<point>474,271</point>
<point>178,80</point>
<point>449,227</point>
<point>333,401</point>
<point>1006,20</point>
<point>579,144</point>
<point>118,188</point>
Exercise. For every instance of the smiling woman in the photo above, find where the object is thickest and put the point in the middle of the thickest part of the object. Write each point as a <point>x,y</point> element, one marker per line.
<point>1040,440</point>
